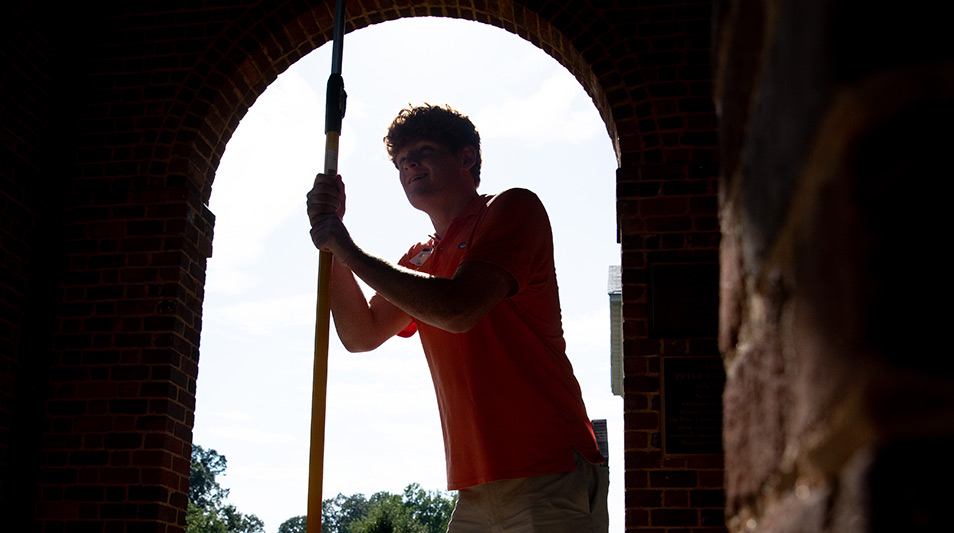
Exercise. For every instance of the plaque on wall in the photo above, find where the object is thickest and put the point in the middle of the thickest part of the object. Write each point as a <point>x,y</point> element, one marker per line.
<point>692,405</point>
<point>684,300</point>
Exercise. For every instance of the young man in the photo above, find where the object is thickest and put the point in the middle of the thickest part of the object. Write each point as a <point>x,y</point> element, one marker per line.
<point>482,293</point>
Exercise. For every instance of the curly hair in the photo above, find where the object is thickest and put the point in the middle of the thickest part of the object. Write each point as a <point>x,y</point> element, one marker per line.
<point>434,123</point>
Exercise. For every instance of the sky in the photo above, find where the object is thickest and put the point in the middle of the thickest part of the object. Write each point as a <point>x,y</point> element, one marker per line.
<point>539,130</point>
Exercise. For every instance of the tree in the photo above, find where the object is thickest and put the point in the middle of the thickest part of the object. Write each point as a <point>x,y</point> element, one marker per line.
<point>237,522</point>
<point>204,489</point>
<point>389,515</point>
<point>431,509</point>
<point>339,512</point>
<point>207,512</point>
<point>295,524</point>
<point>198,520</point>
<point>416,511</point>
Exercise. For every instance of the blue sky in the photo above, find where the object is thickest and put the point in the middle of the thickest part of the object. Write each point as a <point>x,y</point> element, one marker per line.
<point>539,130</point>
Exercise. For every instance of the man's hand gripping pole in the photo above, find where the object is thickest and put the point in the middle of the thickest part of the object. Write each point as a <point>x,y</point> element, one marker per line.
<point>334,112</point>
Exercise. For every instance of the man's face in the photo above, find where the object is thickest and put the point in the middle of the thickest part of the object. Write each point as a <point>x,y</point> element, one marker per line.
<point>429,171</point>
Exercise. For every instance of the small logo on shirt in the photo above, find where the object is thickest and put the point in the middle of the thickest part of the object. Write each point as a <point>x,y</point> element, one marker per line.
<point>421,257</point>
<point>462,245</point>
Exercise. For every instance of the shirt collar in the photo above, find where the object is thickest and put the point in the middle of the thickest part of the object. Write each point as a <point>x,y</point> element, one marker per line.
<point>472,209</point>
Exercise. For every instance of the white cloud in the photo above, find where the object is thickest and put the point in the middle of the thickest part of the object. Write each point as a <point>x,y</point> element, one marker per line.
<point>266,316</point>
<point>228,279</point>
<point>262,179</point>
<point>231,415</point>
<point>585,332</point>
<point>555,112</point>
<point>251,435</point>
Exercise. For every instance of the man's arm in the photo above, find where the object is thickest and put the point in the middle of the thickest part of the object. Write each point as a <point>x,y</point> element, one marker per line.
<point>362,325</point>
<point>454,304</point>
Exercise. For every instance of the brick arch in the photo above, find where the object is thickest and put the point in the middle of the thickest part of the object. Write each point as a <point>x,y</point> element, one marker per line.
<point>647,69</point>
<point>239,66</point>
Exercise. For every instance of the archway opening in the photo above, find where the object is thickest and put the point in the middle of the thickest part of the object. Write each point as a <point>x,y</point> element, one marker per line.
<point>539,131</point>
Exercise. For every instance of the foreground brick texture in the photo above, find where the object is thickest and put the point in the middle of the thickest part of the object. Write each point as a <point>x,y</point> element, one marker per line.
<point>837,405</point>
<point>114,117</point>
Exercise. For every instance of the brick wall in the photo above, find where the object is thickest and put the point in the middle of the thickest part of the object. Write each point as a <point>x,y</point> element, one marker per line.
<point>35,120</point>
<point>666,203</point>
<point>150,95</point>
<point>833,132</point>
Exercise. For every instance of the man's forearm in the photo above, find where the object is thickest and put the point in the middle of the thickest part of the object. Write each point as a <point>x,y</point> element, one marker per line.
<point>361,326</point>
<point>450,304</point>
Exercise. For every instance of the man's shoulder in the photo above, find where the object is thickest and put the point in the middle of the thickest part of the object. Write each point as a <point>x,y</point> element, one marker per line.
<point>515,197</point>
<point>514,211</point>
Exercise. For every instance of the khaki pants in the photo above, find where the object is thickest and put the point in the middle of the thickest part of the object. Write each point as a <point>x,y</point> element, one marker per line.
<point>571,502</point>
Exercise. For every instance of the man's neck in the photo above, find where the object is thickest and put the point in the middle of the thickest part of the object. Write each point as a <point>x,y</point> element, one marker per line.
<point>442,216</point>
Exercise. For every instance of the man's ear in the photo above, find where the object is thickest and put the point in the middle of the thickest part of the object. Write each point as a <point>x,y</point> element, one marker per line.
<point>468,157</point>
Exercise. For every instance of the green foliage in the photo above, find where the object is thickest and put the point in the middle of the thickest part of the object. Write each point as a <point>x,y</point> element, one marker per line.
<point>204,489</point>
<point>237,522</point>
<point>390,515</point>
<point>199,520</point>
<point>296,524</point>
<point>207,512</point>
<point>339,512</point>
<point>431,509</point>
<point>416,511</point>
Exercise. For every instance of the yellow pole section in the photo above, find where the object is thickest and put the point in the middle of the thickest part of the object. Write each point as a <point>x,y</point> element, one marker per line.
<point>320,380</point>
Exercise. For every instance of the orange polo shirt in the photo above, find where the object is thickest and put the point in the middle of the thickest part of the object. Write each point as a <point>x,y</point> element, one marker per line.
<point>510,405</point>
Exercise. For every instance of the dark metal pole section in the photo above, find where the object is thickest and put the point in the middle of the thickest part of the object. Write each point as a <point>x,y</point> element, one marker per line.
<point>334,112</point>
<point>337,44</point>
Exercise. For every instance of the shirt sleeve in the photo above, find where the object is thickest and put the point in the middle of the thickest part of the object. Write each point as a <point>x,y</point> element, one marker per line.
<point>408,331</point>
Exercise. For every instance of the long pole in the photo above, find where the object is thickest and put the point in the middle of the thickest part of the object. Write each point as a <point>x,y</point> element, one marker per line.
<point>334,112</point>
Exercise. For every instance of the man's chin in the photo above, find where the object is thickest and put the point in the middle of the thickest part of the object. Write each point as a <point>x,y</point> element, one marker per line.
<point>416,198</point>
